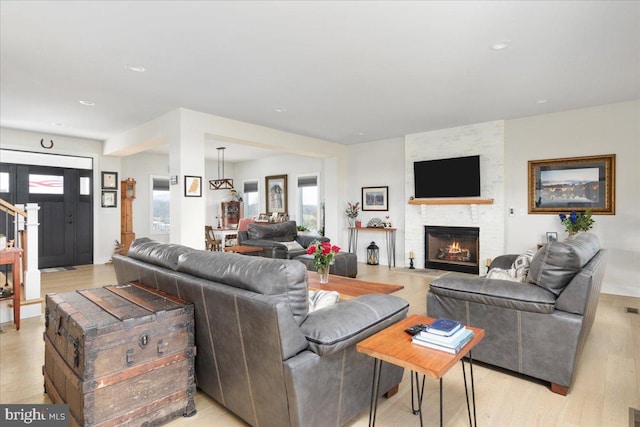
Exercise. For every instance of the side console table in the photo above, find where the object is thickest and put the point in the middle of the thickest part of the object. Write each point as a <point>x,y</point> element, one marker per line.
<point>390,235</point>
<point>13,256</point>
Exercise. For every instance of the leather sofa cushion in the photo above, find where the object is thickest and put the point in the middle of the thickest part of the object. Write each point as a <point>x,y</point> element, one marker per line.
<point>556,263</point>
<point>284,280</point>
<point>498,293</point>
<point>332,329</point>
<point>162,254</point>
<point>280,231</point>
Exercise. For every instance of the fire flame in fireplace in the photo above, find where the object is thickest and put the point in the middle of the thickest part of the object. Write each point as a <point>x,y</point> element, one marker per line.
<point>454,252</point>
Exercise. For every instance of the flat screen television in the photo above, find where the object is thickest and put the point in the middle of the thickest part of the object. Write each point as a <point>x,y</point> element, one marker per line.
<point>454,177</point>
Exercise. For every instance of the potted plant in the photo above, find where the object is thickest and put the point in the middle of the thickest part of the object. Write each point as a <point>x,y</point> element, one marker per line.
<point>352,211</point>
<point>323,256</point>
<point>577,222</point>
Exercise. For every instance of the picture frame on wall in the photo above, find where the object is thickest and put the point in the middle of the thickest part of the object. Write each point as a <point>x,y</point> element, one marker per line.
<point>572,184</point>
<point>109,199</point>
<point>109,180</point>
<point>375,198</point>
<point>192,186</point>
<point>276,194</point>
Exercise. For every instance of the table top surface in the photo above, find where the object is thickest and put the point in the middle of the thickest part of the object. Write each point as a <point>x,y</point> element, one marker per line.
<point>241,249</point>
<point>350,288</point>
<point>394,345</point>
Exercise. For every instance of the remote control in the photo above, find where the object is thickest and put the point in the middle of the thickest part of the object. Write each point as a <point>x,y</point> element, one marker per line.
<point>412,330</point>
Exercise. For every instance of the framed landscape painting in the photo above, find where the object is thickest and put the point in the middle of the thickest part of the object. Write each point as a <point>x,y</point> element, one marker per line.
<point>573,184</point>
<point>375,198</point>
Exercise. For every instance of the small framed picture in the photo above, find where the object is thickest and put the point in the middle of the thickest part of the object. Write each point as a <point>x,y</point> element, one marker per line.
<point>375,198</point>
<point>552,236</point>
<point>110,180</point>
<point>192,186</point>
<point>109,199</point>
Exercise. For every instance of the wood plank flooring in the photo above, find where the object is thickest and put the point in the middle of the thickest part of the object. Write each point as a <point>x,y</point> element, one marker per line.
<point>607,383</point>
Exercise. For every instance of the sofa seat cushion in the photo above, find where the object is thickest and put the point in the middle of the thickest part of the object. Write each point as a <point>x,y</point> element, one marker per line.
<point>284,280</point>
<point>556,263</point>
<point>339,326</point>
<point>499,293</point>
<point>162,254</point>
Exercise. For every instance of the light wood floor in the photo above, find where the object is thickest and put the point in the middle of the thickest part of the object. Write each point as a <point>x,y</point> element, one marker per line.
<point>607,383</point>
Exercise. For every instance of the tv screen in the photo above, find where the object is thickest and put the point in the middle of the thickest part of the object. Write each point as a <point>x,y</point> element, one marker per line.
<point>455,177</point>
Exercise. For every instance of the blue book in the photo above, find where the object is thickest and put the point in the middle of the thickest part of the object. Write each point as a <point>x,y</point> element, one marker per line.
<point>444,327</point>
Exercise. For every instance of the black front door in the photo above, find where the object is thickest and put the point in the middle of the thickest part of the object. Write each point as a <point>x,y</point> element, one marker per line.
<point>65,234</point>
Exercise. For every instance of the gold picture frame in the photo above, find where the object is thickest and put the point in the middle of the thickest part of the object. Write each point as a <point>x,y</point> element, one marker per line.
<point>276,194</point>
<point>573,184</point>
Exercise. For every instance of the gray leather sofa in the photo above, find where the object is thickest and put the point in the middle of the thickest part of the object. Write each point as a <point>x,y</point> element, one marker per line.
<point>260,353</point>
<point>537,328</point>
<point>273,239</point>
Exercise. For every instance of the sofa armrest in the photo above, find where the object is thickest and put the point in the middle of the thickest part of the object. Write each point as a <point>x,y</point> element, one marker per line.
<point>495,292</point>
<point>305,240</point>
<point>503,261</point>
<point>332,329</point>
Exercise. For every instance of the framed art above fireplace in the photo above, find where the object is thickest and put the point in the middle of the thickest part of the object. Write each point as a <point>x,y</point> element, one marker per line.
<point>573,184</point>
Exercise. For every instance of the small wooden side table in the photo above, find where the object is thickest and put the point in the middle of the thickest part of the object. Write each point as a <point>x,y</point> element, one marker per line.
<point>13,256</point>
<point>393,345</point>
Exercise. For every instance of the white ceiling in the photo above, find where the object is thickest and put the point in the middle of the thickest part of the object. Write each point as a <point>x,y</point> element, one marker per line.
<point>347,72</point>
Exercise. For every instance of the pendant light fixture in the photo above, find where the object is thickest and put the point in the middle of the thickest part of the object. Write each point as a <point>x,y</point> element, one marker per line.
<point>221,183</point>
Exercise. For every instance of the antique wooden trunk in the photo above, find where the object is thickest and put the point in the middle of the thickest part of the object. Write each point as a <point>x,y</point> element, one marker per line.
<point>120,355</point>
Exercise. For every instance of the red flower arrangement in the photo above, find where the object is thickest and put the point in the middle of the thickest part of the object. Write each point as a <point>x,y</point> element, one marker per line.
<point>323,254</point>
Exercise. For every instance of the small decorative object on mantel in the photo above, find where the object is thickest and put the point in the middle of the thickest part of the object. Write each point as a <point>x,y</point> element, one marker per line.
<point>576,222</point>
<point>375,223</point>
<point>387,222</point>
<point>323,257</point>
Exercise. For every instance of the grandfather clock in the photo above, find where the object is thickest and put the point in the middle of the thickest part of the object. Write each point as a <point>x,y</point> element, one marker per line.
<point>127,195</point>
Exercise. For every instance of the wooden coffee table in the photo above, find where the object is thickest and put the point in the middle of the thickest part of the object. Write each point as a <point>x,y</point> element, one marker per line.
<point>393,345</point>
<point>350,288</point>
<point>241,249</point>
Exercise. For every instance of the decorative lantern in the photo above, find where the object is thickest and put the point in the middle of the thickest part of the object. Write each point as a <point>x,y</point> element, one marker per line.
<point>373,254</point>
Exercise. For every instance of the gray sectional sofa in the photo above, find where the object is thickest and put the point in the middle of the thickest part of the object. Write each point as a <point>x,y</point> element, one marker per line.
<point>539,327</point>
<point>260,352</point>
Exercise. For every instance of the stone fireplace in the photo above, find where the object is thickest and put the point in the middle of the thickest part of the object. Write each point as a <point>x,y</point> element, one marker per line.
<point>452,248</point>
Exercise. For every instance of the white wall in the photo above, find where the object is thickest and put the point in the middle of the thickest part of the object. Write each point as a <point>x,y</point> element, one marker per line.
<point>376,164</point>
<point>607,129</point>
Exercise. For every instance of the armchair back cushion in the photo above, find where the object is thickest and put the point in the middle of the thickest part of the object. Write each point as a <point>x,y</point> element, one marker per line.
<point>556,263</point>
<point>280,231</point>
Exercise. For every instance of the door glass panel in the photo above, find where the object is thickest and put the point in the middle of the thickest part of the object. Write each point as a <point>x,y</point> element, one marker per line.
<point>4,182</point>
<point>85,186</point>
<point>46,184</point>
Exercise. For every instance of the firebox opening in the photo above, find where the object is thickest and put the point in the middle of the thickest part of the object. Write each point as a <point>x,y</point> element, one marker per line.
<point>452,248</point>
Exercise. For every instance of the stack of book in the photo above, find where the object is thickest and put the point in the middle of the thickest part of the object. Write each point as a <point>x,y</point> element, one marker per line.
<point>444,335</point>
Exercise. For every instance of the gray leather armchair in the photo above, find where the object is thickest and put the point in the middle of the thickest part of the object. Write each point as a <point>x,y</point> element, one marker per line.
<point>537,328</point>
<point>274,239</point>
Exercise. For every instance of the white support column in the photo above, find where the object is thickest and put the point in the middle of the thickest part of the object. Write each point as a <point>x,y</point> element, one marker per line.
<point>31,278</point>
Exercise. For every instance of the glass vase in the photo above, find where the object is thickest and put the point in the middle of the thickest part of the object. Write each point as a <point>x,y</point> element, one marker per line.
<point>323,274</point>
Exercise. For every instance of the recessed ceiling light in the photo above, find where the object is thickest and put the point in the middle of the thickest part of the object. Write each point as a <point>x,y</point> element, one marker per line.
<point>85,102</point>
<point>502,44</point>
<point>280,110</point>
<point>542,101</point>
<point>360,134</point>
<point>135,68</point>
<point>57,124</point>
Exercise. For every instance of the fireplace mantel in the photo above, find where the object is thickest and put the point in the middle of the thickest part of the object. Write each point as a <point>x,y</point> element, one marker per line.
<point>452,201</point>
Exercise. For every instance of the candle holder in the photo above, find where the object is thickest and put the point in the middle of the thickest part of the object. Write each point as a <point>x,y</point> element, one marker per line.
<point>411,267</point>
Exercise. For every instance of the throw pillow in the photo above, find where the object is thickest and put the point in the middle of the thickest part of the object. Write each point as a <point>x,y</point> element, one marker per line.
<point>292,246</point>
<point>521,265</point>
<point>322,299</point>
<point>501,274</point>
